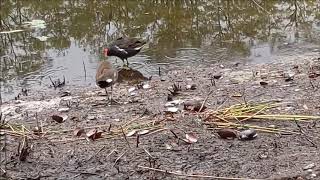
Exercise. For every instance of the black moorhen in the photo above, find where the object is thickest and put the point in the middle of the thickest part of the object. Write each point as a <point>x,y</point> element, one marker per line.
<point>106,76</point>
<point>124,47</point>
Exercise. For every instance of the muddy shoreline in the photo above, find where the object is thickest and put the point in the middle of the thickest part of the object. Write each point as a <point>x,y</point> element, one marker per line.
<point>59,154</point>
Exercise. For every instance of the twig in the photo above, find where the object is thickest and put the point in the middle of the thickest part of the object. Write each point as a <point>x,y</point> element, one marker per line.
<point>205,100</point>
<point>96,153</point>
<point>111,152</point>
<point>125,137</point>
<point>148,153</point>
<point>53,84</point>
<point>305,135</point>
<point>260,7</point>
<point>116,161</point>
<point>193,175</point>
<point>137,142</point>
<point>85,71</point>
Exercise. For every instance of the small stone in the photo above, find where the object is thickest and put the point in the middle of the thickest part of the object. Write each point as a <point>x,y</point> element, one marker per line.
<point>191,87</point>
<point>146,86</point>
<point>313,175</point>
<point>91,117</point>
<point>248,134</point>
<point>131,89</point>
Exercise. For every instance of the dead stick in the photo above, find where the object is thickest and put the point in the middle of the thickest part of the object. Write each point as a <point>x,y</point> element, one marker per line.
<point>96,153</point>
<point>193,175</point>
<point>85,71</point>
<point>205,100</point>
<point>54,85</point>
<point>145,150</point>
<point>116,161</point>
<point>125,137</point>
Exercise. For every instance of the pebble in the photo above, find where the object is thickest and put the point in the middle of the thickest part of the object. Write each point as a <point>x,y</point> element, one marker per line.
<point>91,117</point>
<point>309,166</point>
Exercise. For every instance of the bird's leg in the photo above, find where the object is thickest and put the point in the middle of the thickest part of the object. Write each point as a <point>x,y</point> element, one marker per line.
<point>106,93</point>
<point>111,95</point>
<point>111,100</point>
<point>127,62</point>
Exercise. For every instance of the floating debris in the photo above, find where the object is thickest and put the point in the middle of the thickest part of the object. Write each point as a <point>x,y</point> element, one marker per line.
<point>36,23</point>
<point>12,31</point>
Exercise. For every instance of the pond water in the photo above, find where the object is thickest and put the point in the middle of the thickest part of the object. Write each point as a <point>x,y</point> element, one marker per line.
<point>71,34</point>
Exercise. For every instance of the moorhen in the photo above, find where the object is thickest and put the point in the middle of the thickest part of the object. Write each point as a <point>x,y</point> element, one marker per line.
<point>124,47</point>
<point>106,76</point>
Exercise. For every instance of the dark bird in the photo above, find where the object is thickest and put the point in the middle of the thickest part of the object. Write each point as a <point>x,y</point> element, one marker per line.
<point>124,47</point>
<point>106,76</point>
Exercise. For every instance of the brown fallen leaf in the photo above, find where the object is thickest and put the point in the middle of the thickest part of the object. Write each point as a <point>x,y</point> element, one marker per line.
<point>57,118</point>
<point>94,134</point>
<point>227,133</point>
<point>142,132</point>
<point>131,133</point>
<point>78,132</point>
<point>191,137</point>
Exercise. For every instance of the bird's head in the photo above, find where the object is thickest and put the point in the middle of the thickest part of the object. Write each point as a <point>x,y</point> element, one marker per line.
<point>105,52</point>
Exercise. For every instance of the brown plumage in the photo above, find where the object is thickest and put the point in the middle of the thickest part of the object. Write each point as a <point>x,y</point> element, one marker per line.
<point>106,76</point>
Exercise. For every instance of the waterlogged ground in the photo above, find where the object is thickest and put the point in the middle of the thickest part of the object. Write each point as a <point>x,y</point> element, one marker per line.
<point>118,154</point>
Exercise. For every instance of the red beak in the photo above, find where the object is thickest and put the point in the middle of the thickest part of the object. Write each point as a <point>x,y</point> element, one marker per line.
<point>105,52</point>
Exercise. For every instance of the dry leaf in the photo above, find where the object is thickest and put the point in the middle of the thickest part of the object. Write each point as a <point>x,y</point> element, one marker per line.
<point>142,132</point>
<point>94,134</point>
<point>227,133</point>
<point>191,137</point>
<point>57,118</point>
<point>131,133</point>
<point>78,132</point>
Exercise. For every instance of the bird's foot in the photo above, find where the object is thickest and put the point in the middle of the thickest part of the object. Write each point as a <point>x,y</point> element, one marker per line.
<point>112,102</point>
